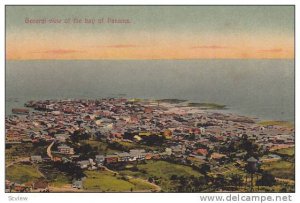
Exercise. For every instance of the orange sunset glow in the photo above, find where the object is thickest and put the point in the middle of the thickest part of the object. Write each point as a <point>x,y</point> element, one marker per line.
<point>181,40</point>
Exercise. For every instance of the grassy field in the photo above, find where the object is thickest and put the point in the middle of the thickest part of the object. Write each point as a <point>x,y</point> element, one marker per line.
<point>140,185</point>
<point>60,180</point>
<point>22,173</point>
<point>133,145</point>
<point>162,171</point>
<point>166,170</point>
<point>23,150</point>
<point>279,123</point>
<point>104,148</point>
<point>207,105</point>
<point>55,177</point>
<point>195,161</point>
<point>228,170</point>
<point>286,151</point>
<point>280,169</point>
<point>105,181</point>
<point>101,146</point>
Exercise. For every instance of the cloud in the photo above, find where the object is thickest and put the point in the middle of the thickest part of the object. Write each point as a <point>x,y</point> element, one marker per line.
<point>270,50</point>
<point>119,46</point>
<point>58,51</point>
<point>210,47</point>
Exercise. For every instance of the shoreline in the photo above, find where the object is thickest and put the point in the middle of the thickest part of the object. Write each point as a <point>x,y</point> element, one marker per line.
<point>182,103</point>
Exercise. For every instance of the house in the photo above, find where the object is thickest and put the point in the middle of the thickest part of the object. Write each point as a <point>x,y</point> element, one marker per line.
<point>217,156</point>
<point>168,151</point>
<point>167,134</point>
<point>61,137</point>
<point>36,159</point>
<point>199,158</point>
<point>21,188</point>
<point>111,159</point>
<point>40,184</point>
<point>202,151</point>
<point>156,156</point>
<point>56,158</point>
<point>66,160</point>
<point>64,149</point>
<point>124,156</point>
<point>178,150</point>
<point>137,138</point>
<point>137,154</point>
<point>100,159</point>
<point>83,164</point>
<point>92,164</point>
<point>148,156</point>
<point>77,184</point>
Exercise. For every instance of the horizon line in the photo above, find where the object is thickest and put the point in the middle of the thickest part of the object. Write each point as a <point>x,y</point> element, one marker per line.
<point>146,59</point>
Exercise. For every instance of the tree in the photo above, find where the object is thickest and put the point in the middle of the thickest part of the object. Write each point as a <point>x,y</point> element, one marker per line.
<point>79,135</point>
<point>220,181</point>
<point>200,145</point>
<point>236,180</point>
<point>150,179</point>
<point>86,151</point>
<point>70,169</point>
<point>204,169</point>
<point>174,177</point>
<point>267,179</point>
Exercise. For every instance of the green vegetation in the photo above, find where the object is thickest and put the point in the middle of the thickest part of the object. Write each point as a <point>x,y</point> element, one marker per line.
<point>227,170</point>
<point>286,151</point>
<point>60,180</point>
<point>136,100</point>
<point>166,170</point>
<point>56,173</point>
<point>195,161</point>
<point>279,123</point>
<point>99,146</point>
<point>140,185</point>
<point>16,151</point>
<point>135,174</point>
<point>161,172</point>
<point>280,169</point>
<point>171,101</point>
<point>132,145</point>
<point>106,181</point>
<point>21,173</point>
<point>207,105</point>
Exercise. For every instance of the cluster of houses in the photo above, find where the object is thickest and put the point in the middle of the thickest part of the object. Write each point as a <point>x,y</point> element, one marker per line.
<point>131,156</point>
<point>188,131</point>
<point>113,118</point>
<point>39,185</point>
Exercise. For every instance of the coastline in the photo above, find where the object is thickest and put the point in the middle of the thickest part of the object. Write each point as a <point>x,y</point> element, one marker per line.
<point>182,103</point>
<point>208,106</point>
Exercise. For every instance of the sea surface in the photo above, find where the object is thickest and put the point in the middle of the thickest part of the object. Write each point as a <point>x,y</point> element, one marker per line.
<point>257,88</point>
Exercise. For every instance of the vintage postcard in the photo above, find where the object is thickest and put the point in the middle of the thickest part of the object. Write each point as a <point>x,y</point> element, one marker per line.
<point>173,99</point>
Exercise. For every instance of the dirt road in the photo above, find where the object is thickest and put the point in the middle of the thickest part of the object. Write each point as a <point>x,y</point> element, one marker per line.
<point>49,151</point>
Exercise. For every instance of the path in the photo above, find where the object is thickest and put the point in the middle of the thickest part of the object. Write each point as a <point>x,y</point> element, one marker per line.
<point>49,151</point>
<point>65,188</point>
<point>157,187</point>
<point>285,180</point>
<point>23,159</point>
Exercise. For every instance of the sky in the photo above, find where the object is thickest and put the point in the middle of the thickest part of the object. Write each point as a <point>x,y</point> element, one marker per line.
<point>149,32</point>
